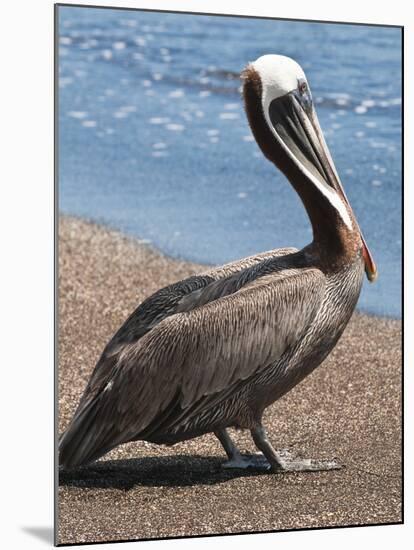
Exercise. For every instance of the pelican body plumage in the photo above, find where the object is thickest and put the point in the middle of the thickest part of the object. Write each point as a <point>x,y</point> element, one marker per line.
<point>214,350</point>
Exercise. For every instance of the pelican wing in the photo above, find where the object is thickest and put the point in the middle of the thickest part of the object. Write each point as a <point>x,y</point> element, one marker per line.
<point>169,300</point>
<point>177,297</point>
<point>192,359</point>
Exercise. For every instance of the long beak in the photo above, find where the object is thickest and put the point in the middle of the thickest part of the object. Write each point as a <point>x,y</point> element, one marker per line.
<point>297,127</point>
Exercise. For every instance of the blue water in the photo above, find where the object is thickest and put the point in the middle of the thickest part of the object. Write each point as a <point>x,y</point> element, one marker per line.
<point>153,139</point>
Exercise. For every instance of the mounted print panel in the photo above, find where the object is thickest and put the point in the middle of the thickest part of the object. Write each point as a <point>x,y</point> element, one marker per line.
<point>229,274</point>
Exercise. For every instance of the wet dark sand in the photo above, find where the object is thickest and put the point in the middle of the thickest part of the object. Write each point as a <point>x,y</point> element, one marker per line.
<point>348,408</point>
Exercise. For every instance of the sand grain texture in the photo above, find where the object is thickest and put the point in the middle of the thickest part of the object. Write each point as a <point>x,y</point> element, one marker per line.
<point>348,408</point>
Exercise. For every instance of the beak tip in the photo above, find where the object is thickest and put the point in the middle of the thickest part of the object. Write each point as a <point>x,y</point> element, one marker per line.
<point>372,275</point>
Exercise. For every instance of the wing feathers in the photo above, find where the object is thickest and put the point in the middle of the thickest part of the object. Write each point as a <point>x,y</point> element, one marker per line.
<point>190,360</point>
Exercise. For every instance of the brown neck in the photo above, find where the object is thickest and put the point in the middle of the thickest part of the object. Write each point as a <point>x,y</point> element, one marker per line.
<point>334,242</point>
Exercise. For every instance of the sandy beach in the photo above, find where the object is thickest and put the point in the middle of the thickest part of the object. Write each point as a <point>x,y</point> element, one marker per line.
<point>349,408</point>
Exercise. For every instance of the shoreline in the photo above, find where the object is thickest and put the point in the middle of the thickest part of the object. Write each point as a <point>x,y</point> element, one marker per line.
<point>153,248</point>
<point>349,407</point>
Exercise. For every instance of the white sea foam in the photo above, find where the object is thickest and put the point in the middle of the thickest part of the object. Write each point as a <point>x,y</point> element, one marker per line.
<point>128,22</point>
<point>199,114</point>
<point>158,120</point>
<point>65,81</point>
<point>368,103</point>
<point>140,41</point>
<point>120,114</point>
<point>213,132</point>
<point>146,83</point>
<point>89,123</point>
<point>242,195</point>
<point>157,76</point>
<point>128,108</point>
<point>378,145</point>
<point>361,109</point>
<point>88,44</point>
<point>159,145</point>
<point>376,183</point>
<point>359,134</point>
<point>204,93</point>
<point>78,114</point>
<point>229,116</point>
<point>159,153</point>
<point>107,54</point>
<point>231,106</point>
<point>175,127</point>
<point>176,93</point>
<point>380,93</point>
<point>340,95</point>
<point>341,101</point>
<point>371,124</point>
<point>248,138</point>
<point>214,139</point>
<point>65,40</point>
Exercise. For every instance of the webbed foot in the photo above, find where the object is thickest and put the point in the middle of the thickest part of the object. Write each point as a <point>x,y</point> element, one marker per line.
<point>288,463</point>
<point>283,461</point>
<point>242,462</point>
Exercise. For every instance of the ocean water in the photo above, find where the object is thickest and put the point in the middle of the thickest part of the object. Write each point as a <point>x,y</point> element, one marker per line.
<point>153,139</point>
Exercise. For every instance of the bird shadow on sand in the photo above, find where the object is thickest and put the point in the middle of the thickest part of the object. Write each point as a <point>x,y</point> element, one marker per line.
<point>172,471</point>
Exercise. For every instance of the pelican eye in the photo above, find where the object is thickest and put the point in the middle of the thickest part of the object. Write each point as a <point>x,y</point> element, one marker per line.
<point>303,87</point>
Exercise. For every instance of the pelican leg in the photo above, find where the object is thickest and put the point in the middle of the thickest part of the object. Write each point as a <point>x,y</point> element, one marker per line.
<point>282,461</point>
<point>236,459</point>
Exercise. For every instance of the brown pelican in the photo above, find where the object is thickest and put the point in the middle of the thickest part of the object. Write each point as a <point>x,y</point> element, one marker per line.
<point>213,351</point>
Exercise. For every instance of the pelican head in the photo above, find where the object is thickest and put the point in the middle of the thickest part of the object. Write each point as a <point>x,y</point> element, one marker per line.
<point>280,86</point>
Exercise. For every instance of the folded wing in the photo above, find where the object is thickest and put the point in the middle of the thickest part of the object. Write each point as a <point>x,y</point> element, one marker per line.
<point>193,360</point>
